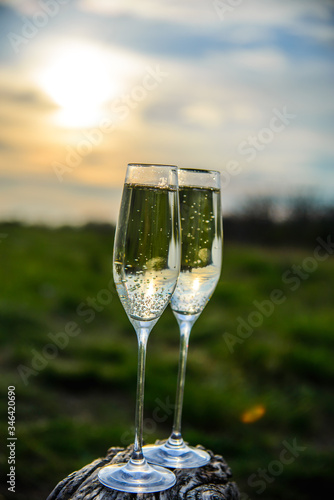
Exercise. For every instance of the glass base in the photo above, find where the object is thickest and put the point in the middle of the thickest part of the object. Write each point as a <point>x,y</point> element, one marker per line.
<point>136,478</point>
<point>176,457</point>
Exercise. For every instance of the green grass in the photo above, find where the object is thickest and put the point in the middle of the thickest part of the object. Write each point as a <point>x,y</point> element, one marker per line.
<point>82,401</point>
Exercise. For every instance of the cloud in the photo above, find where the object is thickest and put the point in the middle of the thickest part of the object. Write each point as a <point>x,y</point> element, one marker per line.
<point>200,14</point>
<point>202,113</point>
<point>23,7</point>
<point>25,97</point>
<point>4,146</point>
<point>193,30</point>
<point>265,60</point>
<point>185,12</point>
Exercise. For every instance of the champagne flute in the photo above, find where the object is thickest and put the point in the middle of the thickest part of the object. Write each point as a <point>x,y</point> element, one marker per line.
<point>146,267</point>
<point>201,237</point>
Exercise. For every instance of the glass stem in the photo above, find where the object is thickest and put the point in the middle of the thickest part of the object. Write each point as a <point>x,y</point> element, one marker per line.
<point>137,455</point>
<point>185,329</point>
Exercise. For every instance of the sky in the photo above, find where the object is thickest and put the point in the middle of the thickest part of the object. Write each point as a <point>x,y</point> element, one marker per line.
<point>245,87</point>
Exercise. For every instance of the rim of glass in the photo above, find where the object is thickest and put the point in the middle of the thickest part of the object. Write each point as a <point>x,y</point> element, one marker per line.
<point>152,165</point>
<point>199,170</point>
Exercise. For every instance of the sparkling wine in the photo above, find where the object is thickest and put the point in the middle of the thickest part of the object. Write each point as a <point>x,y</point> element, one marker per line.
<point>201,249</point>
<point>146,260</point>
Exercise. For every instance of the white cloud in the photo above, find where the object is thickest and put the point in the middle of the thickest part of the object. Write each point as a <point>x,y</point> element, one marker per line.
<point>249,14</point>
<point>204,114</point>
<point>270,13</point>
<point>262,59</point>
<point>187,11</point>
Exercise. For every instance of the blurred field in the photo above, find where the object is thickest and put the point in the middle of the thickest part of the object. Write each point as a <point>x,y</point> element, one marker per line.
<point>273,392</point>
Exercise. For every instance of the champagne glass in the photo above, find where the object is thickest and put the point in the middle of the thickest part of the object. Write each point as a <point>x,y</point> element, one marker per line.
<point>146,267</point>
<point>201,237</point>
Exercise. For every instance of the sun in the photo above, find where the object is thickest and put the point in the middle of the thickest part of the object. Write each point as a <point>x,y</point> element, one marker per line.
<point>80,77</point>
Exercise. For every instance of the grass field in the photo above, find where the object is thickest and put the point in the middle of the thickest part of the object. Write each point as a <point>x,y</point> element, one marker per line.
<point>260,393</point>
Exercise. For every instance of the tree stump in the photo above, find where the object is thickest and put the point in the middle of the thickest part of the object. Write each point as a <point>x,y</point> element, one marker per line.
<point>210,482</point>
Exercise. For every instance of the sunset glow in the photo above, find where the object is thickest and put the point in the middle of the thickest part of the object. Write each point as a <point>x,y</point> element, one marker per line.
<point>91,86</point>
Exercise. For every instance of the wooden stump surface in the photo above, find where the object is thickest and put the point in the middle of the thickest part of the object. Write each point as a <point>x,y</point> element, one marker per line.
<point>210,482</point>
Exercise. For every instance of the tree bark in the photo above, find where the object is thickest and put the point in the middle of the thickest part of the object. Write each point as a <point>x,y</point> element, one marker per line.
<point>210,482</point>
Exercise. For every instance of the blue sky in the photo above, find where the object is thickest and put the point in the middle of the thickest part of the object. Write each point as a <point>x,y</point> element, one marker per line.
<point>242,87</point>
